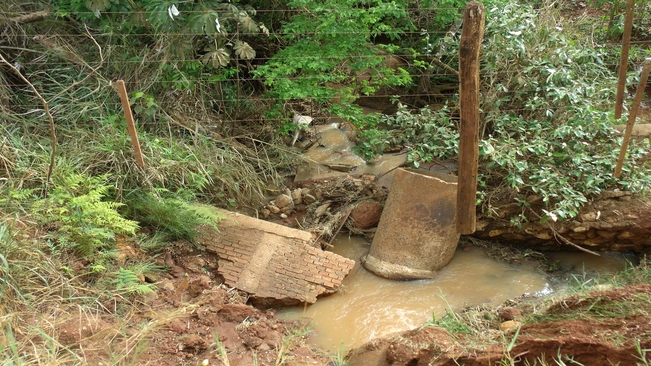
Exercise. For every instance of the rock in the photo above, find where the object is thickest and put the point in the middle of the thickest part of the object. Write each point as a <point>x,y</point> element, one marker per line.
<point>195,342</point>
<point>544,235</point>
<point>626,235</point>
<point>322,209</point>
<point>481,224</point>
<point>509,314</point>
<point>177,272</point>
<point>607,234</point>
<point>284,201</point>
<point>366,215</point>
<point>495,232</point>
<point>283,215</point>
<point>197,285</point>
<point>590,216</point>
<point>509,325</point>
<point>309,199</point>
<point>580,229</point>
<point>177,326</point>
<point>273,208</point>
<point>296,196</point>
<point>287,191</point>
<point>195,264</point>
<point>167,285</point>
<point>238,312</point>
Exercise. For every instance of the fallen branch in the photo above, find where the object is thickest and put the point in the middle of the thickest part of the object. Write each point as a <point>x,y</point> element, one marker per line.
<point>31,18</point>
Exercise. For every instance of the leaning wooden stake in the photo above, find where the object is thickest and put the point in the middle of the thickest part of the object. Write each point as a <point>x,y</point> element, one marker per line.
<point>122,90</point>
<point>623,62</point>
<point>469,51</point>
<point>646,69</point>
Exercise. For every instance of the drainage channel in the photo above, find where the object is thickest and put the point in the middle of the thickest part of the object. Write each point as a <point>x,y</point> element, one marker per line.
<point>369,306</point>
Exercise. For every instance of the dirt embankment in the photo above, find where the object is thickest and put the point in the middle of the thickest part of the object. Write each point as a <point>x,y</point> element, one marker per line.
<point>595,339</point>
<point>613,221</point>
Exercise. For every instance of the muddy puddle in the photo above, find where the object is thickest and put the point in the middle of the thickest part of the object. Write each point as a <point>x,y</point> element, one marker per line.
<point>371,307</point>
<point>586,265</point>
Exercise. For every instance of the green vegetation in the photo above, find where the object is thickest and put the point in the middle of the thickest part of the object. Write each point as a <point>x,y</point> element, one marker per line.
<point>546,130</point>
<point>173,217</point>
<point>213,86</point>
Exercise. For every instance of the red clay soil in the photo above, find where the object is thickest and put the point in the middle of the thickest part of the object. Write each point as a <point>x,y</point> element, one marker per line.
<point>193,308</point>
<point>213,310</point>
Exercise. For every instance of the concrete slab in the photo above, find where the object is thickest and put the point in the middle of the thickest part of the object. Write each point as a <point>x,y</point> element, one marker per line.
<point>277,265</point>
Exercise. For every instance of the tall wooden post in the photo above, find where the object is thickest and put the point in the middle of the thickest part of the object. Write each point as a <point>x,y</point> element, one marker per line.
<point>131,126</point>
<point>623,61</point>
<point>472,35</point>
<point>646,69</point>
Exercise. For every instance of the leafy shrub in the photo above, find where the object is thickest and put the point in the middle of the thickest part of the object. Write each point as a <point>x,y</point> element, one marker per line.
<point>330,47</point>
<point>426,135</point>
<point>546,130</point>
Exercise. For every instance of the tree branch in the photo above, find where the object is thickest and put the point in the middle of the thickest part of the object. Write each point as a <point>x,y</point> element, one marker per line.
<point>31,18</point>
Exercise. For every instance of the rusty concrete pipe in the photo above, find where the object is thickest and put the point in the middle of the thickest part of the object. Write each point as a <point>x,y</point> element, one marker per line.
<point>417,232</point>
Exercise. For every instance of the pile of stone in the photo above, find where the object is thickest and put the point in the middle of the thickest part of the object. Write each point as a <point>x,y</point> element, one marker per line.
<point>289,201</point>
<point>324,207</point>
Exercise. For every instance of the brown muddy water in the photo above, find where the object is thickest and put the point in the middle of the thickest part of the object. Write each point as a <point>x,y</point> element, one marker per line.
<point>369,307</point>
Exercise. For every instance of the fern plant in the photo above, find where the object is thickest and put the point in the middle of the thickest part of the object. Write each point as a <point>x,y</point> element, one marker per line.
<point>128,282</point>
<point>84,221</point>
<point>171,214</point>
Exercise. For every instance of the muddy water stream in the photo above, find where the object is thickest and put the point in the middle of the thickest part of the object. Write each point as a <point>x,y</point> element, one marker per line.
<point>371,307</point>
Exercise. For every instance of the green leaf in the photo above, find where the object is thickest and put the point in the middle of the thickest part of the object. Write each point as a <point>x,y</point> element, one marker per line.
<point>243,50</point>
<point>217,58</point>
<point>96,6</point>
<point>204,23</point>
<point>247,24</point>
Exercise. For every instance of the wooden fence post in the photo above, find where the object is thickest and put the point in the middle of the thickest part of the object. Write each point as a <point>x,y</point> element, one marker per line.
<point>646,69</point>
<point>623,61</point>
<point>472,35</point>
<point>131,126</point>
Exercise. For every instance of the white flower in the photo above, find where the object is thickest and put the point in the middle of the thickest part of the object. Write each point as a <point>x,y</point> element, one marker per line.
<point>173,11</point>
<point>217,25</point>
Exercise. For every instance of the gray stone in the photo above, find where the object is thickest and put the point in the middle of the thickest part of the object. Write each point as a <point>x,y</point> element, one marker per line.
<point>296,196</point>
<point>273,208</point>
<point>283,201</point>
<point>309,199</point>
